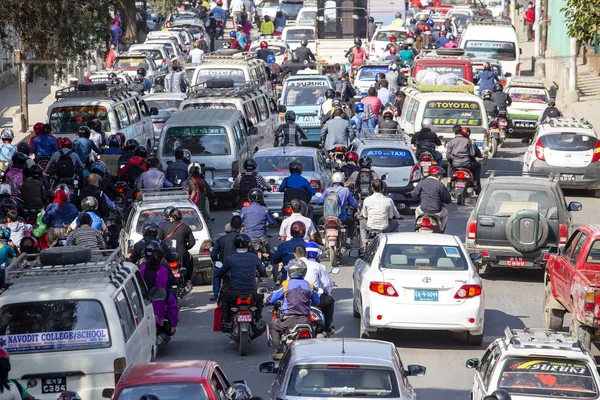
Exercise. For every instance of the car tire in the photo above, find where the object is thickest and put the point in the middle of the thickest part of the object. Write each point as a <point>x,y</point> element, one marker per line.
<point>355,312</point>
<point>553,319</point>
<point>363,333</point>
<point>69,255</point>
<point>582,332</point>
<point>494,147</point>
<point>474,340</point>
<point>542,230</point>
<point>597,193</point>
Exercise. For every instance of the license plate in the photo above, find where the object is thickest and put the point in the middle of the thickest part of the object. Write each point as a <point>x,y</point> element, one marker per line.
<point>425,163</point>
<point>516,262</point>
<point>567,178</point>
<point>54,385</point>
<point>525,124</point>
<point>331,232</point>
<point>503,123</point>
<point>309,118</point>
<point>426,295</point>
<point>479,144</point>
<point>275,188</point>
<point>244,318</point>
<point>460,184</point>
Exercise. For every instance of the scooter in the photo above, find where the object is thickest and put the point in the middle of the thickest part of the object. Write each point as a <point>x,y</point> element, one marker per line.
<point>334,232</point>
<point>162,302</point>
<point>425,162</point>
<point>428,223</point>
<point>462,185</point>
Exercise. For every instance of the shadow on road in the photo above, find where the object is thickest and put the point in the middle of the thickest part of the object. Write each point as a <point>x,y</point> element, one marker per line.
<point>443,394</point>
<point>514,274</point>
<point>496,321</point>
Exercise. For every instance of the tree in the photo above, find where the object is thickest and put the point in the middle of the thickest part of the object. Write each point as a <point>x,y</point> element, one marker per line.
<point>583,20</point>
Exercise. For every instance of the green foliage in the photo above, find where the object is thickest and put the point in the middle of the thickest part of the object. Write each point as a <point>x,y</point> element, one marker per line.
<point>583,19</point>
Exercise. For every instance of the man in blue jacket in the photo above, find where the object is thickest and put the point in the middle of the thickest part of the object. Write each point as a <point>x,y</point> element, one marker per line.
<point>285,252</point>
<point>296,186</point>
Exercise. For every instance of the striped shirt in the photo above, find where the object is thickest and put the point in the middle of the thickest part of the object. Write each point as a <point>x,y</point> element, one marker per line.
<point>86,236</point>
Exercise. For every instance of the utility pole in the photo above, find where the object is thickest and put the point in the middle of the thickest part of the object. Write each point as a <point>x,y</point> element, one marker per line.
<point>544,35</point>
<point>23,90</point>
<point>537,29</point>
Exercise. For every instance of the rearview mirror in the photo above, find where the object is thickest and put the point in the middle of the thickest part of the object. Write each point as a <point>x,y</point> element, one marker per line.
<point>472,363</point>
<point>275,215</point>
<point>335,270</point>
<point>318,195</point>
<point>508,74</point>
<point>107,393</point>
<point>415,370</point>
<point>526,140</point>
<point>153,111</point>
<point>158,293</point>
<point>33,383</point>
<point>384,177</point>
<point>183,270</point>
<point>218,264</point>
<point>354,253</point>
<point>267,367</point>
<point>282,108</point>
<point>476,258</point>
<point>320,291</point>
<point>252,131</point>
<point>262,290</point>
<point>575,206</point>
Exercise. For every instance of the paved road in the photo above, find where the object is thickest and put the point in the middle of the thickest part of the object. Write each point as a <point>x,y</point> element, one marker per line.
<point>513,298</point>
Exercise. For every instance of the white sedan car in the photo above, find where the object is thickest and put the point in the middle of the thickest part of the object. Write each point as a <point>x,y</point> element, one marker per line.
<point>417,281</point>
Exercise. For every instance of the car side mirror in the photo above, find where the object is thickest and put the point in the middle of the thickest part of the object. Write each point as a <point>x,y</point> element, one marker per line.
<point>472,363</point>
<point>275,215</point>
<point>107,393</point>
<point>508,74</point>
<point>476,258</point>
<point>218,264</point>
<point>33,383</point>
<point>520,50</point>
<point>354,253</point>
<point>262,290</point>
<point>267,367</point>
<point>252,131</point>
<point>318,195</point>
<point>282,108</point>
<point>415,370</point>
<point>153,111</point>
<point>526,140</point>
<point>384,177</point>
<point>574,206</point>
<point>335,271</point>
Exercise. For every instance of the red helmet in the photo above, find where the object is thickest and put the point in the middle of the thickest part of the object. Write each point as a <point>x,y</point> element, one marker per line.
<point>351,156</point>
<point>393,50</point>
<point>466,131</point>
<point>66,142</point>
<point>410,34</point>
<point>4,353</point>
<point>425,28</point>
<point>37,128</point>
<point>435,170</point>
<point>392,38</point>
<point>220,3</point>
<point>298,229</point>
<point>264,45</point>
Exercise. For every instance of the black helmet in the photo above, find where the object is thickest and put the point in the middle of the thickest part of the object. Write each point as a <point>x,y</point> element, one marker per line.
<point>114,141</point>
<point>498,87</point>
<point>371,19</point>
<point>304,43</point>
<point>187,156</point>
<point>256,195</point>
<point>250,164</point>
<point>365,162</point>
<point>8,204</point>
<point>141,151</point>
<point>167,212</point>
<point>239,391</point>
<point>139,78</point>
<point>89,203</point>
<point>399,15</point>
<point>290,116</point>
<point>413,21</point>
<point>329,94</point>
<point>295,166</point>
<point>84,131</point>
<point>154,252</point>
<point>141,71</point>
<point>19,159</point>
<point>337,104</point>
<point>36,171</point>
<point>131,144</point>
<point>159,81</point>
<point>241,241</point>
<point>115,81</point>
<point>357,41</point>
<point>23,147</point>
<point>498,395</point>
<point>112,75</point>
<point>486,95</point>
<point>150,229</point>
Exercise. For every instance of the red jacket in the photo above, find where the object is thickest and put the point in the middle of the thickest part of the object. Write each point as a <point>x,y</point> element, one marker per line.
<point>530,15</point>
<point>135,160</point>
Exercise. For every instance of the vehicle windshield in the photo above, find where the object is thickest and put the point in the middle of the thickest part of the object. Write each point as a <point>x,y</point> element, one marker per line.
<point>130,64</point>
<point>190,217</point>
<point>296,35</point>
<point>386,157</point>
<point>165,391</point>
<point>384,36</point>
<point>211,73</point>
<point>164,105</point>
<point>503,51</point>
<point>370,73</point>
<point>505,202</point>
<point>478,68</point>
<point>199,140</point>
<point>446,69</point>
<point>461,19</point>
<point>568,141</point>
<point>290,10</point>
<point>342,380</point>
<point>307,16</point>
<point>153,54</point>
<point>304,93</point>
<point>268,4</point>
<point>277,50</point>
<point>280,163</point>
<point>210,106</point>
<point>528,95</point>
<point>548,377</point>
<point>67,120</point>
<point>46,326</point>
<point>426,257</point>
<point>450,113</point>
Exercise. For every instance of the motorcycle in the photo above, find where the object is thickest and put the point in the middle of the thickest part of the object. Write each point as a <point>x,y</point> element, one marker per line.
<point>183,287</point>
<point>462,185</point>
<point>163,324</point>
<point>425,162</point>
<point>503,124</point>
<point>114,224</point>
<point>428,223</point>
<point>334,232</point>
<point>262,253</point>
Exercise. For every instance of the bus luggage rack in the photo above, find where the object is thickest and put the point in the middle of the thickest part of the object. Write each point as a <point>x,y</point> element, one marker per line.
<point>171,195</point>
<point>541,338</point>
<point>552,176</point>
<point>201,90</point>
<point>28,268</point>
<point>239,56</point>
<point>110,91</point>
<point>373,134</point>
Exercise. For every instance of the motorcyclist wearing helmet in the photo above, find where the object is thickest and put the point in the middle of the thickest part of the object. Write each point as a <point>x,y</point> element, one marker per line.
<point>387,125</point>
<point>360,181</point>
<point>222,248</point>
<point>335,132</point>
<point>498,395</point>
<point>395,78</point>
<point>92,188</point>
<point>267,27</point>
<point>58,215</point>
<point>232,42</point>
<point>179,237</point>
<point>135,166</point>
<point>86,236</point>
<point>11,388</point>
<point>398,22</point>
<point>159,85</point>
<point>24,148</point>
<point>138,85</point>
<point>264,52</point>
<point>442,40</point>
<point>392,56</point>
<point>345,199</point>
<point>150,232</point>
<point>256,216</point>
<point>128,151</point>
<point>433,194</point>
<point>550,112</point>
<point>249,179</point>
<point>487,79</point>
<point>153,179</point>
<point>502,100</point>
<point>239,391</point>
<point>462,152</point>
<point>359,55</point>
<point>83,146</point>
<point>304,53</point>
<point>44,145</point>
<point>358,119</point>
<point>142,71</point>
<point>37,130</point>
<point>377,213</point>
<point>427,140</point>
<point>285,252</point>
<point>351,164</point>
<point>63,169</point>
<point>289,133</point>
<point>297,215</point>
<point>241,267</point>
<point>7,149</point>
<point>114,146</point>
<point>327,105</point>
<point>491,109</point>
<point>177,172</point>
<point>296,186</point>
<point>89,205</point>
<point>196,54</point>
<point>33,191</point>
<point>297,295</point>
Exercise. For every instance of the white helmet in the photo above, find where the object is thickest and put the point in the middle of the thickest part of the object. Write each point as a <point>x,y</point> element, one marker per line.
<point>427,123</point>
<point>393,67</point>
<point>7,134</point>
<point>410,41</point>
<point>338,177</point>
<point>192,165</point>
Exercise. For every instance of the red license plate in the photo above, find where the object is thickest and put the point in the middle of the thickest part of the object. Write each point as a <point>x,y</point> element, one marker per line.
<point>460,184</point>
<point>275,188</point>
<point>516,262</point>
<point>331,232</point>
<point>244,318</point>
<point>425,163</point>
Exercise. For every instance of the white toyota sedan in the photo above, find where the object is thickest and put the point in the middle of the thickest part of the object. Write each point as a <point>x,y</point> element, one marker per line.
<point>417,281</point>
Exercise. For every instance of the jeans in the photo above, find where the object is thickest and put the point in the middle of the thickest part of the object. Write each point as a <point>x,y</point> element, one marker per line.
<point>364,229</point>
<point>278,326</point>
<point>529,29</point>
<point>442,215</point>
<point>372,122</point>
<point>438,158</point>
<point>216,282</point>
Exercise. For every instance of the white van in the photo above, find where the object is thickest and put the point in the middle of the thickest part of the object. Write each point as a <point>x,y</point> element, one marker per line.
<point>119,110</point>
<point>73,319</point>
<point>497,40</point>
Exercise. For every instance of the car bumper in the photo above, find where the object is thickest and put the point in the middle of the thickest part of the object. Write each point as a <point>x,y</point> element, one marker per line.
<point>503,256</point>
<point>313,133</point>
<point>586,177</point>
<point>202,263</point>
<point>426,316</point>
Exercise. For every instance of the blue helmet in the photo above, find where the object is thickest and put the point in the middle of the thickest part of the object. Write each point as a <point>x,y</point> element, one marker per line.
<point>232,34</point>
<point>360,107</point>
<point>271,59</point>
<point>430,22</point>
<point>312,250</point>
<point>99,168</point>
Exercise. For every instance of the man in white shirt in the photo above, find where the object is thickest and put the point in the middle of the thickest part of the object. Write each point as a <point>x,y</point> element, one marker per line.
<point>236,8</point>
<point>284,230</point>
<point>377,213</point>
<point>196,55</point>
<point>318,276</point>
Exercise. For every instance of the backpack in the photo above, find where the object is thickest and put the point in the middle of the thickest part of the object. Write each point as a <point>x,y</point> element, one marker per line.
<point>247,183</point>
<point>331,204</point>
<point>363,183</point>
<point>65,168</point>
<point>133,172</point>
<point>14,178</point>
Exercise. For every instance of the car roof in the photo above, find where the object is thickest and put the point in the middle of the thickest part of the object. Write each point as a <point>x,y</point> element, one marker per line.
<point>306,77</point>
<point>165,96</point>
<point>289,151</point>
<point>343,350</point>
<point>194,117</point>
<point>419,238</point>
<point>166,371</point>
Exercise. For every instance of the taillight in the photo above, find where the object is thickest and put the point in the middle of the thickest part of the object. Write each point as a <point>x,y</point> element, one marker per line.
<point>426,222</point>
<point>245,203</point>
<point>285,57</point>
<point>596,156</point>
<point>562,234</point>
<point>461,175</point>
<point>502,82</point>
<point>121,190</point>
<point>373,46</point>
<point>245,300</point>
<point>316,184</point>
<point>205,248</point>
<point>472,230</point>
<point>518,69</point>
<point>493,124</point>
<point>468,291</point>
<point>287,211</point>
<point>539,150</point>
<point>415,174</point>
<point>119,367</point>
<point>425,158</point>
<point>303,334</point>
<point>589,302</point>
<point>383,288</point>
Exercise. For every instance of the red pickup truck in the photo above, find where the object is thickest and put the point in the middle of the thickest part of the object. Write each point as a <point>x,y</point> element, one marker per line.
<point>572,284</point>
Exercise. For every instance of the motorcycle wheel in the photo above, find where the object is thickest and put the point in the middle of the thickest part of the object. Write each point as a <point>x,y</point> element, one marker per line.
<point>244,343</point>
<point>460,199</point>
<point>333,257</point>
<point>494,147</point>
